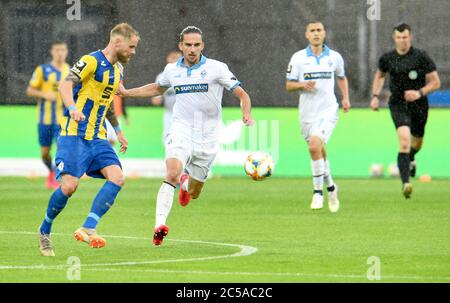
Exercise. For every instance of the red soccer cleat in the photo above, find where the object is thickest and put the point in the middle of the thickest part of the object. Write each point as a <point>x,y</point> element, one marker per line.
<point>159,234</point>
<point>51,181</point>
<point>183,196</point>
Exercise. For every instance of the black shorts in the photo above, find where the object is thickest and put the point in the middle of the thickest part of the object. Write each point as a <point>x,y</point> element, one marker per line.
<point>412,114</point>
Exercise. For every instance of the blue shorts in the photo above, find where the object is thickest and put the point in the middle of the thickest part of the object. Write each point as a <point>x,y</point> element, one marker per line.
<point>48,133</point>
<point>76,156</point>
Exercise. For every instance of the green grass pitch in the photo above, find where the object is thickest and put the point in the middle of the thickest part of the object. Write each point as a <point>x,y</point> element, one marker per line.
<point>294,244</point>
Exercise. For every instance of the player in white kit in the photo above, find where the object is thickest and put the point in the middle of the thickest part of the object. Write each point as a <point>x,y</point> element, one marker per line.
<point>168,99</point>
<point>192,141</point>
<point>312,72</point>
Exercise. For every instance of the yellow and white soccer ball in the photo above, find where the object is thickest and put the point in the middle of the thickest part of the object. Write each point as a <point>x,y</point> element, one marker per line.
<point>259,165</point>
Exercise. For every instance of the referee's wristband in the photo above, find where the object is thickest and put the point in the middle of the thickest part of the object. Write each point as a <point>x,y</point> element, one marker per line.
<point>117,128</point>
<point>72,107</point>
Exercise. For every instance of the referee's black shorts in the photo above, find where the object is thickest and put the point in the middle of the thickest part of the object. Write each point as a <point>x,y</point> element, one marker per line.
<point>412,114</point>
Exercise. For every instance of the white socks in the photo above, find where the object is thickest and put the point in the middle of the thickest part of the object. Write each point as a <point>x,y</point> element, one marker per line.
<point>164,203</point>
<point>327,177</point>
<point>318,171</point>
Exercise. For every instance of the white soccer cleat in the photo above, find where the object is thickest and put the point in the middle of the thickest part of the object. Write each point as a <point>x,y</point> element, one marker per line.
<point>317,202</point>
<point>333,201</point>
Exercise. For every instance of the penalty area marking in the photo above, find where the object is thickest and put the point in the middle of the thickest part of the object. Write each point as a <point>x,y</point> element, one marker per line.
<point>244,251</point>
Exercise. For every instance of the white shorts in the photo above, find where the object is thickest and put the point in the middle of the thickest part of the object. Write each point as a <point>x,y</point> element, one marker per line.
<point>110,132</point>
<point>197,158</point>
<point>322,128</point>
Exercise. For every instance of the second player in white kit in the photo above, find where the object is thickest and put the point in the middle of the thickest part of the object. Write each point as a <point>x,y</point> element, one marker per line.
<point>192,140</point>
<point>312,72</point>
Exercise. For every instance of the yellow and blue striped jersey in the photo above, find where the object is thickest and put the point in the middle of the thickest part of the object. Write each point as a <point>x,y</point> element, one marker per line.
<point>98,83</point>
<point>46,78</point>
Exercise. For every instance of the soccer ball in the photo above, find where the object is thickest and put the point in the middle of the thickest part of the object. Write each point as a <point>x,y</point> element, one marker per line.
<point>376,170</point>
<point>259,165</point>
<point>393,170</point>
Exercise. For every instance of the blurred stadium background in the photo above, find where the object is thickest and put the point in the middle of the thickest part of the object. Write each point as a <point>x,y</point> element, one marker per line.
<point>256,39</point>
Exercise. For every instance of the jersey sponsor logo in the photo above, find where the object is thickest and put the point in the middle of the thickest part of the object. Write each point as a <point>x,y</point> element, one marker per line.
<point>191,88</point>
<point>413,75</point>
<point>79,66</point>
<point>318,75</point>
<point>107,92</point>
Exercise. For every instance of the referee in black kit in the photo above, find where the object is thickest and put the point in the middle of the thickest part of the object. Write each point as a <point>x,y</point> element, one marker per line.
<point>413,76</point>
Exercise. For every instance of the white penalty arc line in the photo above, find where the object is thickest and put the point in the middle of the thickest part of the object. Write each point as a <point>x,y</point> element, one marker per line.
<point>244,251</point>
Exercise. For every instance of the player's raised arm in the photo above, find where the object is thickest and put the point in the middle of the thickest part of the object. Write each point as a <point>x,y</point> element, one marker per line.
<point>149,90</point>
<point>246,105</point>
<point>377,86</point>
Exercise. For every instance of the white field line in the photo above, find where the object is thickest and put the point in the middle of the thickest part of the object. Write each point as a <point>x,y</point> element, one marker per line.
<point>244,252</point>
<point>272,274</point>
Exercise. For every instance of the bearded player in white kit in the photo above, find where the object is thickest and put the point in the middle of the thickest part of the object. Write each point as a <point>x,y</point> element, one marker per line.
<point>312,72</point>
<point>192,141</point>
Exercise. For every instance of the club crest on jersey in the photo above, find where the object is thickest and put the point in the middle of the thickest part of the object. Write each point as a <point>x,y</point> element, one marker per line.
<point>318,75</point>
<point>191,88</point>
<point>412,75</point>
<point>203,74</point>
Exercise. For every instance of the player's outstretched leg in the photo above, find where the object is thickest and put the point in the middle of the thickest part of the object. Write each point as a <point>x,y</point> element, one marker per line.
<point>332,188</point>
<point>103,201</point>
<point>58,201</point>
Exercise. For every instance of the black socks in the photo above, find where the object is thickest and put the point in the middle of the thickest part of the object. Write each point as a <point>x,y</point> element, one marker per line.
<point>403,161</point>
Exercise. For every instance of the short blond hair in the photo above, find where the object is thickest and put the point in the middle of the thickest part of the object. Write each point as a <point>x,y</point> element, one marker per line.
<point>125,30</point>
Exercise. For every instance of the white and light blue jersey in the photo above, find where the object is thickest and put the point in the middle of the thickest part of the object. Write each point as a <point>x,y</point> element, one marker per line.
<point>306,66</point>
<point>197,112</point>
